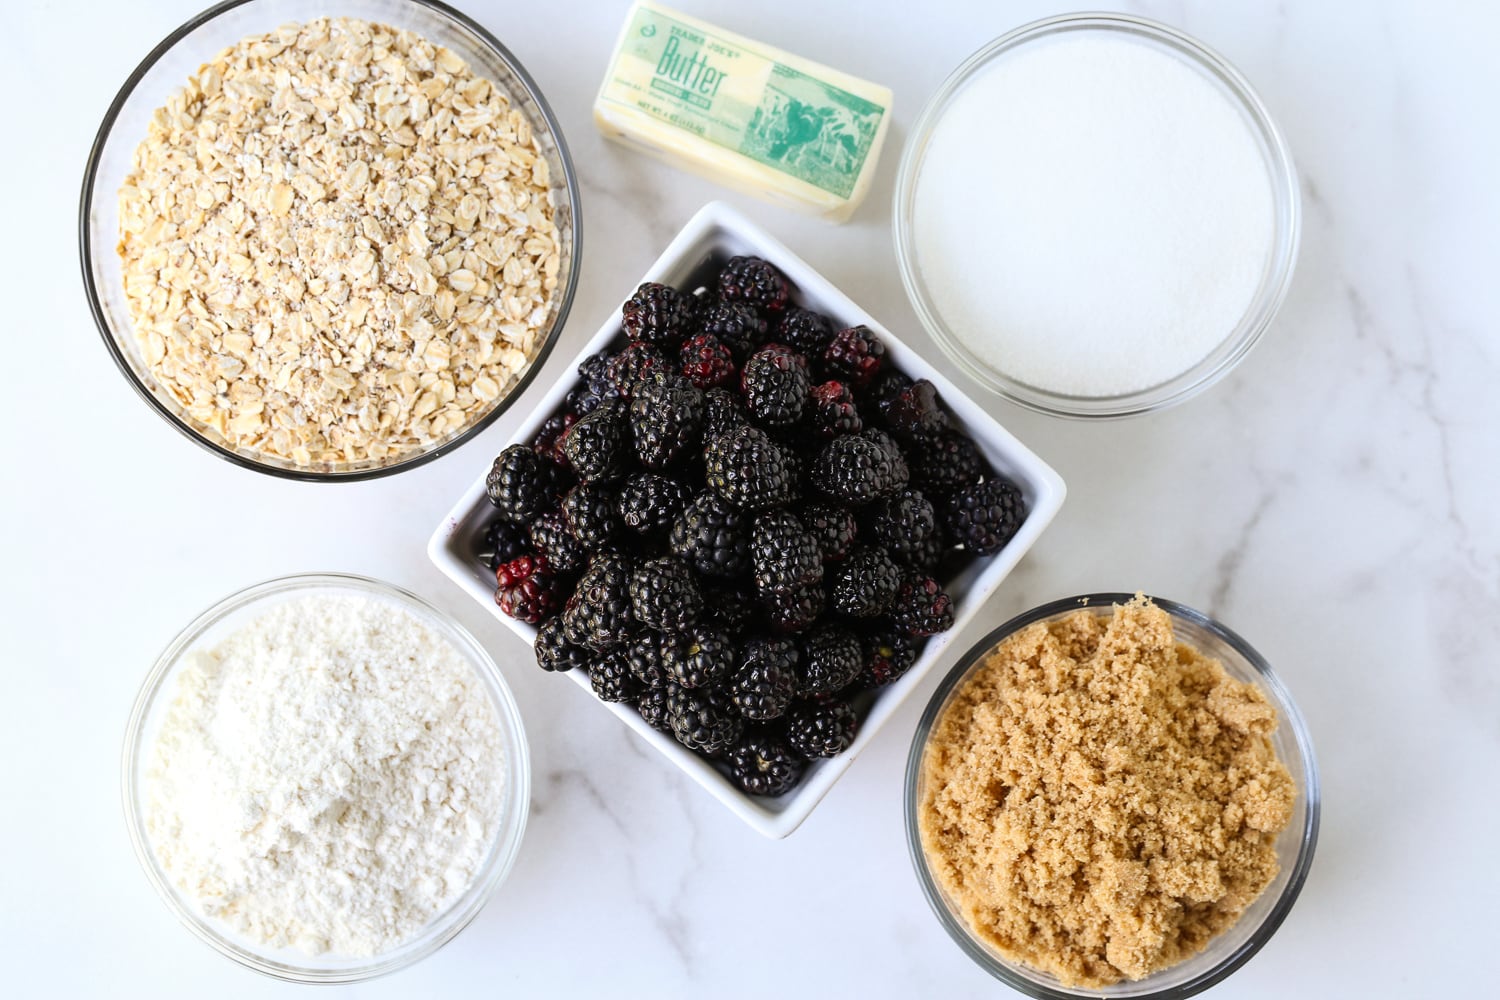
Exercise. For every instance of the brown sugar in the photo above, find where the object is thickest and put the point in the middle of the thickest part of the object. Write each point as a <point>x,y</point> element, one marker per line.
<point>1100,800</point>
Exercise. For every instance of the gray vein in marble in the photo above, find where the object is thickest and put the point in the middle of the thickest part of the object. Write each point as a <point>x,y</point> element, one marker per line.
<point>1462,610</point>
<point>674,923</point>
<point>1422,376</point>
<point>1425,370</point>
<point>566,777</point>
<point>1229,563</point>
<point>1312,196</point>
<point>667,915</point>
<point>1429,387</point>
<point>1364,320</point>
<point>675,928</point>
<point>1236,399</point>
<point>1424,399</point>
<point>639,194</point>
<point>1465,624</point>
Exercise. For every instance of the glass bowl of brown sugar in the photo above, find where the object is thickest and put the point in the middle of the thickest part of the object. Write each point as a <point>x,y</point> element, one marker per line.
<point>1111,796</point>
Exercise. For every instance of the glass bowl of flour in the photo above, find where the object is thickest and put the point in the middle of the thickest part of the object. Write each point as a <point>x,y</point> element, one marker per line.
<point>325,777</point>
<point>1096,216</point>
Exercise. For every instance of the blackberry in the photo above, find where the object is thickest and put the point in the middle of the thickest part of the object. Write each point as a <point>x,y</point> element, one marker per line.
<point>762,764</point>
<point>857,468</point>
<point>854,356</point>
<point>865,584</point>
<point>634,366</point>
<point>713,537</point>
<point>831,659</point>
<point>902,523</point>
<point>821,729</point>
<point>643,655</point>
<point>582,402</point>
<point>551,537</point>
<point>775,384</point>
<point>914,413</point>
<point>730,610</point>
<point>528,590</point>
<point>983,516</point>
<point>666,421</point>
<point>928,555</point>
<point>832,411</point>
<point>766,681</point>
<point>657,314</point>
<point>887,383</point>
<point>610,676</point>
<point>704,721</point>
<point>553,651</point>
<point>713,615</point>
<point>746,468</point>
<point>598,615</point>
<point>921,607</point>
<point>639,548</point>
<point>887,656</point>
<point>783,554</point>
<point>548,440</point>
<point>652,704</point>
<point>698,658</point>
<point>521,484</point>
<point>796,467</point>
<point>722,412</point>
<point>592,512</point>
<point>833,527</point>
<point>804,331</point>
<point>945,464</point>
<point>664,595</point>
<point>755,282</point>
<point>738,326</point>
<point>594,370</point>
<point>579,402</point>
<point>597,446</point>
<point>794,612</point>
<point>503,541</point>
<point>706,362</point>
<point>887,444</point>
<point>563,476</point>
<point>648,503</point>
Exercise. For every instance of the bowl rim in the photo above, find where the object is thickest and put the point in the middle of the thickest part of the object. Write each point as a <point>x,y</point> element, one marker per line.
<point>718,224</point>
<point>1289,714</point>
<point>1259,313</point>
<point>516,797</point>
<point>87,251</point>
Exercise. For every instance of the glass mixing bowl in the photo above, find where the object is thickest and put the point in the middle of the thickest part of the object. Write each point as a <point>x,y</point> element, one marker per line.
<point>1275,278</point>
<point>168,66</point>
<point>1294,847</point>
<point>156,696</point>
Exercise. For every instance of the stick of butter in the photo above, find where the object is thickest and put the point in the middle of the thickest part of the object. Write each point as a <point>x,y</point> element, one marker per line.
<point>749,116</point>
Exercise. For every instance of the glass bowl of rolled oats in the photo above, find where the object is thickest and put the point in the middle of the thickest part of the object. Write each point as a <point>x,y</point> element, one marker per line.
<point>329,241</point>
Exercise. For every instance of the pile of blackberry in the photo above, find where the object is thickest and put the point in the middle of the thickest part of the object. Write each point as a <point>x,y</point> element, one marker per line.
<point>740,522</point>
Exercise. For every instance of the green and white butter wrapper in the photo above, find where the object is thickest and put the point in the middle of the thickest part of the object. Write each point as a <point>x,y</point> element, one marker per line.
<point>750,116</point>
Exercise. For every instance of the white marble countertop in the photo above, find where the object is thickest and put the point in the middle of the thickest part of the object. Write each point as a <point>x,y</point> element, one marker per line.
<point>1333,500</point>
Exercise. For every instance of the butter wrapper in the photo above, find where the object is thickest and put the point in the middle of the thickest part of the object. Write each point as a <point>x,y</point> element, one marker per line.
<point>744,114</point>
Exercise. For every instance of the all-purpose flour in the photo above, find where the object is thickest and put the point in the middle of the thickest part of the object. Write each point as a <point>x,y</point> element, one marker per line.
<point>327,778</point>
<point>1093,215</point>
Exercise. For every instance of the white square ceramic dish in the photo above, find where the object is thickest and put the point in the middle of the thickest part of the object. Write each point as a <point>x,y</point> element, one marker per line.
<point>716,233</point>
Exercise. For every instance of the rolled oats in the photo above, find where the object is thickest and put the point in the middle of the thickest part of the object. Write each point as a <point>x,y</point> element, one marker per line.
<point>338,244</point>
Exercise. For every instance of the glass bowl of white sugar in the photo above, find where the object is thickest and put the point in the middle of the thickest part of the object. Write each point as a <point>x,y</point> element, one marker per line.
<point>325,778</point>
<point>1096,216</point>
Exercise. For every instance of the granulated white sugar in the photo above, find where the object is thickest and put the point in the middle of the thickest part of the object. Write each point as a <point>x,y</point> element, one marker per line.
<point>327,778</point>
<point>1093,215</point>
